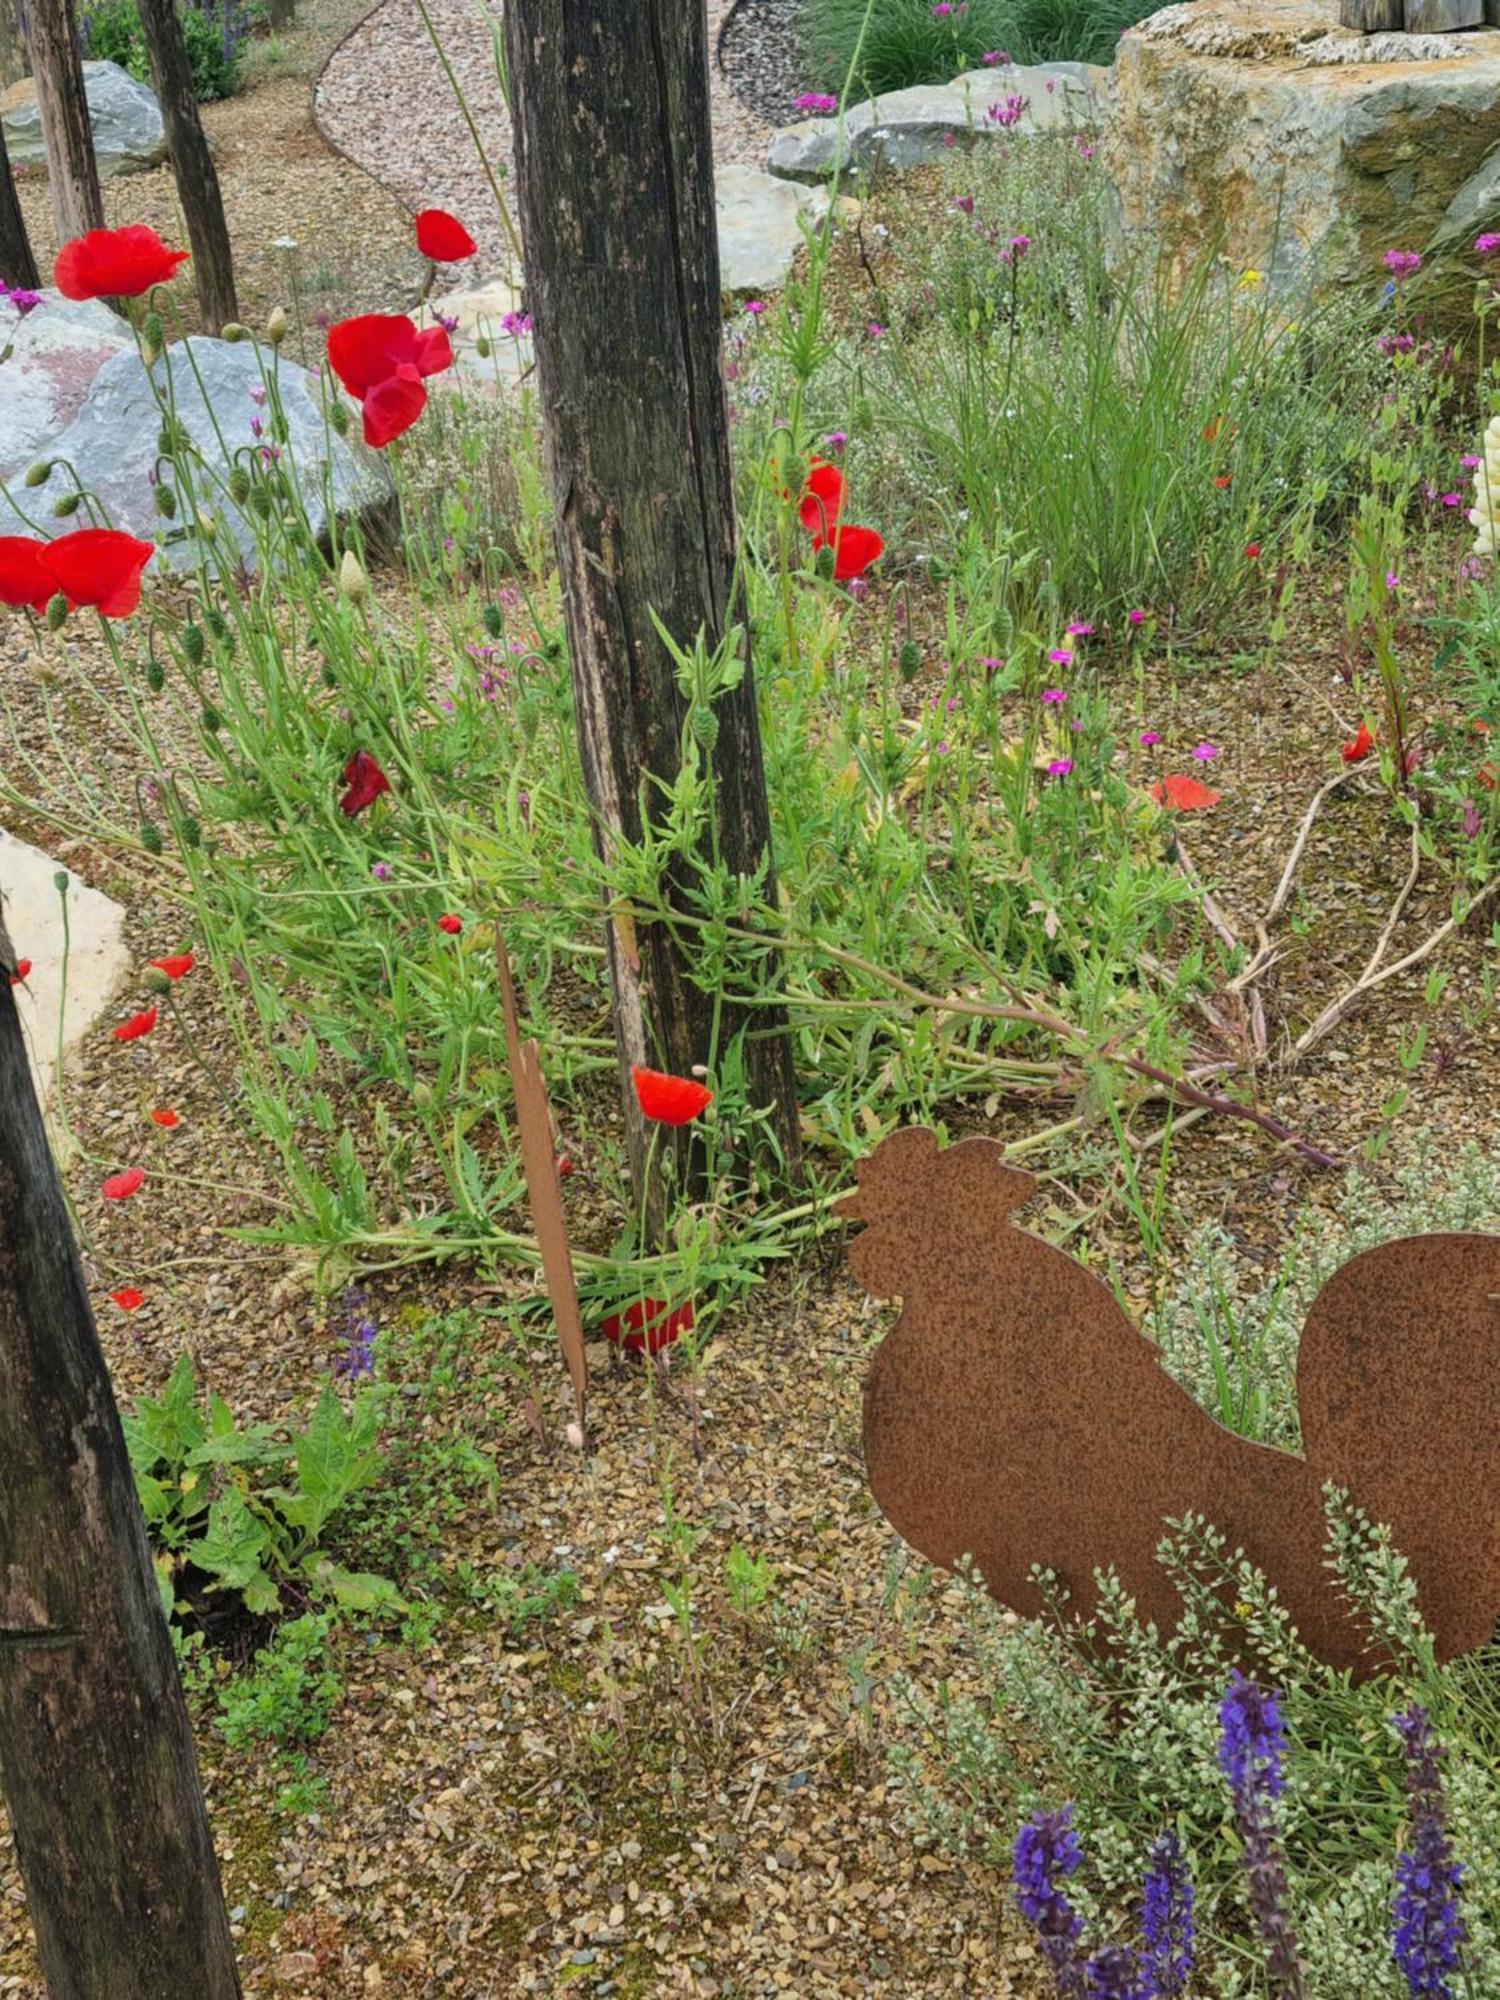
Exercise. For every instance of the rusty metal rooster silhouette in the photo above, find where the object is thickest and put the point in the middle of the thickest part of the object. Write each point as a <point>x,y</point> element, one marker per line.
<point>1015,1415</point>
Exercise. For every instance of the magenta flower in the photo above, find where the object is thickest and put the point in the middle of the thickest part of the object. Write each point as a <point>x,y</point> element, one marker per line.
<point>1402,263</point>
<point>965,202</point>
<point>1054,695</point>
<point>816,100</point>
<point>941,10</point>
<point>993,57</point>
<point>1086,147</point>
<point>1010,112</point>
<point>381,870</point>
<point>836,440</point>
<point>1487,244</point>
<point>1205,752</point>
<point>755,307</point>
<point>875,330</point>
<point>1060,657</point>
<point>1149,738</point>
<point>1136,617</point>
<point>1472,821</point>
<point>1392,581</point>
<point>1453,500</point>
<point>1396,343</point>
<point>1019,245</point>
<point>1059,767</point>
<point>1080,629</point>
<point>516,324</point>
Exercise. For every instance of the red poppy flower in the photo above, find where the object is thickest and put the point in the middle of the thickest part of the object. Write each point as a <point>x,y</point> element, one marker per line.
<point>670,1100</point>
<point>1184,794</point>
<point>128,1299</point>
<point>442,237</point>
<point>138,1025</point>
<point>1359,746</point>
<point>1222,479</point>
<point>99,567</point>
<point>854,549</point>
<point>564,1166</point>
<point>365,780</point>
<point>115,263</point>
<point>22,971</point>
<point>451,924</point>
<point>824,497</point>
<point>381,358</point>
<point>25,583</point>
<point>167,1118</point>
<point>120,1187</point>
<point>647,1325</point>
<point>1252,550</point>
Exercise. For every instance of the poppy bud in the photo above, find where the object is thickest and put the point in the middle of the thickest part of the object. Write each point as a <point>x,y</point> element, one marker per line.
<point>68,504</point>
<point>208,527</point>
<point>338,416</point>
<point>823,563</point>
<point>216,622</point>
<point>277,326</point>
<point>353,583</point>
<point>494,624</point>
<point>705,727</point>
<point>528,718</point>
<point>483,348</point>
<point>193,643</point>
<point>166,501</point>
<point>192,832</point>
<point>170,438</point>
<point>57,611</point>
<point>40,473</point>
<point>150,837</point>
<point>421,1094</point>
<point>234,332</point>
<point>211,719</point>
<point>156,678</point>
<point>910,660</point>
<point>152,337</point>
<point>262,499</point>
<point>62,881</point>
<point>239,486</point>
<point>151,979</point>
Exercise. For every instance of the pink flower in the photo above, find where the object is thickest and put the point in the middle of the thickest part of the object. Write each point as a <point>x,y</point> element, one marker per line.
<point>965,202</point>
<point>1010,112</point>
<point>1402,263</point>
<point>875,330</point>
<point>1059,767</point>
<point>1079,630</point>
<point>1135,617</point>
<point>816,100</point>
<point>1472,820</point>
<point>1149,738</point>
<point>1487,244</point>
<point>1054,695</point>
<point>755,307</point>
<point>992,57</point>
<point>1206,752</point>
<point>1452,500</point>
<point>1060,657</point>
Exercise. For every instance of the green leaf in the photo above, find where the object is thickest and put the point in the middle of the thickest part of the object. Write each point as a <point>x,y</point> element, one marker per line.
<point>164,1430</point>
<point>336,1456</point>
<point>231,1546</point>
<point>226,1445</point>
<point>357,1590</point>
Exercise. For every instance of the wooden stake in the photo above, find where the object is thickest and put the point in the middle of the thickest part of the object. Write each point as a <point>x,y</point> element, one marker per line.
<point>57,69</point>
<point>192,163</point>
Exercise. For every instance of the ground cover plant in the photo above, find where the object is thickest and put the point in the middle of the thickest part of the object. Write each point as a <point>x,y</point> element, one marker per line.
<point>895,44</point>
<point>1105,637</point>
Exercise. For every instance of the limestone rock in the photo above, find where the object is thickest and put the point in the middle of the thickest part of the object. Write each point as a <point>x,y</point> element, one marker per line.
<point>1299,148</point>
<point>489,314</point>
<point>112,446</point>
<point>95,945</point>
<point>908,128</point>
<point>129,137</point>
<point>760,226</point>
<point>49,357</point>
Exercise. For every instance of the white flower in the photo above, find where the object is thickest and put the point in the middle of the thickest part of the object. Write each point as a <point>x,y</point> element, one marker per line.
<point>1486,509</point>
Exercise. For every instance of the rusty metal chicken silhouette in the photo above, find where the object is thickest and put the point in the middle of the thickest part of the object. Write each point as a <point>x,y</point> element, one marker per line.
<point>1015,1415</point>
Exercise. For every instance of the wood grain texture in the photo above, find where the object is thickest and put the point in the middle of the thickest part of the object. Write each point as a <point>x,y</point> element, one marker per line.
<point>614,180</point>
<point>57,70</point>
<point>192,163</point>
<point>96,1751</point>
<point>17,261</point>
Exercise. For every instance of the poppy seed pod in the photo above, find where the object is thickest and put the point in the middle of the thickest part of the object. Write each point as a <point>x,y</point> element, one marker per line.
<point>57,611</point>
<point>151,837</point>
<point>166,502</point>
<point>67,505</point>
<point>278,326</point>
<point>156,677</point>
<point>494,624</point>
<point>353,583</point>
<point>40,473</point>
<point>193,644</point>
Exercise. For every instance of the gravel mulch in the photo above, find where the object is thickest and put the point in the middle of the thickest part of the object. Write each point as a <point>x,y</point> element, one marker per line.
<point>425,156</point>
<point>762,58</point>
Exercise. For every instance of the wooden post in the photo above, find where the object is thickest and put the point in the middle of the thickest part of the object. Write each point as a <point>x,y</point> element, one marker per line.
<point>1441,17</point>
<point>57,69</point>
<point>1370,17</point>
<point>615,187</point>
<point>17,262</point>
<point>12,45</point>
<point>96,1751</point>
<point>192,163</point>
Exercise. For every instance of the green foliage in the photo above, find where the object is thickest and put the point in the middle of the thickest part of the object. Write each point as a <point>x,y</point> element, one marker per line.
<point>288,1693</point>
<point>902,42</point>
<point>527,1596</point>
<point>211,1498</point>
<point>112,32</point>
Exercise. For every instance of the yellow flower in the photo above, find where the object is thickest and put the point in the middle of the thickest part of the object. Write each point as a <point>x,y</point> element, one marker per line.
<point>1248,279</point>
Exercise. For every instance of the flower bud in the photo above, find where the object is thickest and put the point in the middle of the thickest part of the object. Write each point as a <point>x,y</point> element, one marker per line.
<point>40,473</point>
<point>338,416</point>
<point>151,979</point>
<point>57,611</point>
<point>353,583</point>
<point>192,832</point>
<point>494,624</point>
<point>705,727</point>
<point>278,326</point>
<point>823,563</point>
<point>156,676</point>
<point>483,348</point>
<point>239,486</point>
<point>208,527</point>
<point>211,719</point>
<point>152,339</point>
<point>528,718</point>
<point>262,501</point>
<point>910,660</point>
<point>68,504</point>
<point>193,643</point>
<point>217,623</point>
<point>151,841</point>
<point>166,502</point>
<point>233,332</point>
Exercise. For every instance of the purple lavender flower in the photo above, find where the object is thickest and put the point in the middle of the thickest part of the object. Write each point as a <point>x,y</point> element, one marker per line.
<point>1252,1747</point>
<point>1115,1974</point>
<point>357,1328</point>
<point>1167,1919</point>
<point>1047,1851</point>
<point>1427,1928</point>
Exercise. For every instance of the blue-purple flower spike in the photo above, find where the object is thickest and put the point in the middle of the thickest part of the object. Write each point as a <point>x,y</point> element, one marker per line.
<point>1252,1747</point>
<point>1167,1920</point>
<point>1427,1927</point>
<point>1047,1852</point>
<point>1115,1974</point>
<point>357,1329</point>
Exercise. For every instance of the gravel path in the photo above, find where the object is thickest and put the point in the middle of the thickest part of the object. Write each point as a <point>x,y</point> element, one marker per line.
<point>383,100</point>
<point>762,57</point>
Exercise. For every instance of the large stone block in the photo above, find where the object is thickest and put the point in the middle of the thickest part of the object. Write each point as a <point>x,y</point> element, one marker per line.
<point>49,356</point>
<point>129,137</point>
<point>1263,130</point>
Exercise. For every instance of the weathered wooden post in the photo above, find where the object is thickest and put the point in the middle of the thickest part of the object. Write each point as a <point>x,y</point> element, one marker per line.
<point>17,262</point>
<point>192,163</point>
<point>614,176</point>
<point>96,1751</point>
<point>57,70</point>
<point>1416,17</point>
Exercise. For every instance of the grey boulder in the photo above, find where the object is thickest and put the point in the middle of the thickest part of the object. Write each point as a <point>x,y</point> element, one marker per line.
<point>49,358</point>
<point>761,222</point>
<point>129,137</point>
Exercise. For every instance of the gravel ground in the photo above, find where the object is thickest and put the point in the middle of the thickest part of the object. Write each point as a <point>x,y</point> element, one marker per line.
<point>762,59</point>
<point>427,156</point>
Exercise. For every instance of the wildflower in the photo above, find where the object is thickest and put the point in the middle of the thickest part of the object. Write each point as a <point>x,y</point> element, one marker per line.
<point>25,583</point>
<point>1060,767</point>
<point>450,924</point>
<point>1114,1974</point>
<point>381,870</point>
<point>1017,248</point>
<point>1086,147</point>
<point>1080,629</point>
<point>1252,1749</point>
<point>836,440</point>
<point>115,263</point>
<point>1184,794</point>
<point>816,100</point>
<point>823,498</point>
<point>648,1326</point>
<point>1451,500</point>
<point>1055,696</point>
<point>1205,752</point>
<point>854,550</point>
<point>1010,112</point>
<point>669,1100</point>
<point>99,568</point>
<point>365,781</point>
<point>517,325</point>
<point>177,965</point>
<point>1060,656</point>
<point>1427,1927</point>
<point>1249,280</point>
<point>1252,551</point>
<point>1223,480</point>
<point>994,58</point>
<point>942,10</point>
<point>1396,343</point>
<point>1487,244</point>
<point>357,1328</point>
<point>1150,738</point>
<point>755,307</point>
<point>965,202</point>
<point>1046,1852</point>
<point>875,330</point>
<point>166,1118</point>
<point>442,238</point>
<point>381,359</point>
<point>23,300</point>
<point>1402,263</point>
<point>1136,617</point>
<point>1472,822</point>
<point>121,1186</point>
<point>1392,581</point>
<point>128,1299</point>
<point>138,1025</point>
<point>1359,745</point>
<point>1167,1919</point>
<point>22,971</point>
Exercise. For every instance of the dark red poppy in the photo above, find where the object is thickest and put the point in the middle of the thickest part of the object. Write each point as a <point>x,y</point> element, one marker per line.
<point>823,499</point>
<point>1252,550</point>
<point>451,924</point>
<point>100,568</point>
<point>115,263</point>
<point>442,237</point>
<point>22,971</point>
<point>647,1325</point>
<point>25,583</point>
<point>564,1166</point>
<point>138,1025</point>
<point>1184,794</point>
<point>177,965</point>
<point>1223,479</point>
<point>128,1299</point>
<point>381,358</point>
<point>854,549</point>
<point>1359,745</point>
<point>167,1118</point>
<point>365,781</point>
<point>670,1100</point>
<point>120,1187</point>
